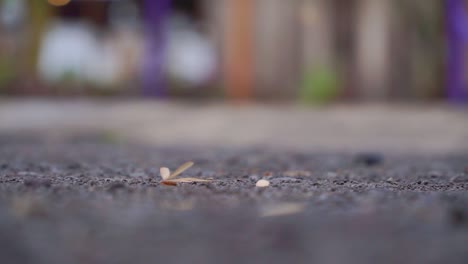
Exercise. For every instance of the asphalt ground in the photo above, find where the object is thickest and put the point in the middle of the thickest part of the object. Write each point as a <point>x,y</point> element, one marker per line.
<point>87,200</point>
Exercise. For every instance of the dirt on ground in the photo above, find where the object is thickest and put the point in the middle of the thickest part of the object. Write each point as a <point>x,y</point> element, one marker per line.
<point>87,202</point>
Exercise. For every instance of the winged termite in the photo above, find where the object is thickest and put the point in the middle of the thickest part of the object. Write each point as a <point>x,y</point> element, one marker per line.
<point>168,178</point>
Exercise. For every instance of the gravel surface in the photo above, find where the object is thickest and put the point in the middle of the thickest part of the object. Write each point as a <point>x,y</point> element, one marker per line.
<point>88,202</point>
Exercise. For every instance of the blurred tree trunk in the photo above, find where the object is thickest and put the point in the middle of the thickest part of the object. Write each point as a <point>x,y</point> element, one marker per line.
<point>345,45</point>
<point>238,46</point>
<point>39,15</point>
<point>277,48</point>
<point>318,42</point>
<point>400,41</point>
<point>372,62</point>
<point>417,49</point>
<point>428,50</point>
<point>215,13</point>
<point>320,73</point>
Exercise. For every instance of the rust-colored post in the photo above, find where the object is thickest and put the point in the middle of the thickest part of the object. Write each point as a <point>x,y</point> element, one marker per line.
<point>238,45</point>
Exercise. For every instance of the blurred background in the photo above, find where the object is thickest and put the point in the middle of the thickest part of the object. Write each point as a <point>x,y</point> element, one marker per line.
<point>309,50</point>
<point>315,52</point>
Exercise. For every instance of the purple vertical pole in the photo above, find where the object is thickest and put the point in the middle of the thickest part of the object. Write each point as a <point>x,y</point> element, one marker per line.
<point>457,29</point>
<point>152,75</point>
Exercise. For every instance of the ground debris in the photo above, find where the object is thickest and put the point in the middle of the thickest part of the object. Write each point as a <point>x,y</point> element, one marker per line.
<point>168,178</point>
<point>262,183</point>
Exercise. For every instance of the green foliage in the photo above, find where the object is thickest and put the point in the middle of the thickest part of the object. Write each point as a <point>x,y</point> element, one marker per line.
<point>319,86</point>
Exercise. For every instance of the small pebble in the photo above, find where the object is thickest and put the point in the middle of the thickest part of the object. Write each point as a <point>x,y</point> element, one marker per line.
<point>262,183</point>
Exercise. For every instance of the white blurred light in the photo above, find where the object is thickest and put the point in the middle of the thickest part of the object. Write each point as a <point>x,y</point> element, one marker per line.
<point>71,49</point>
<point>191,57</point>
